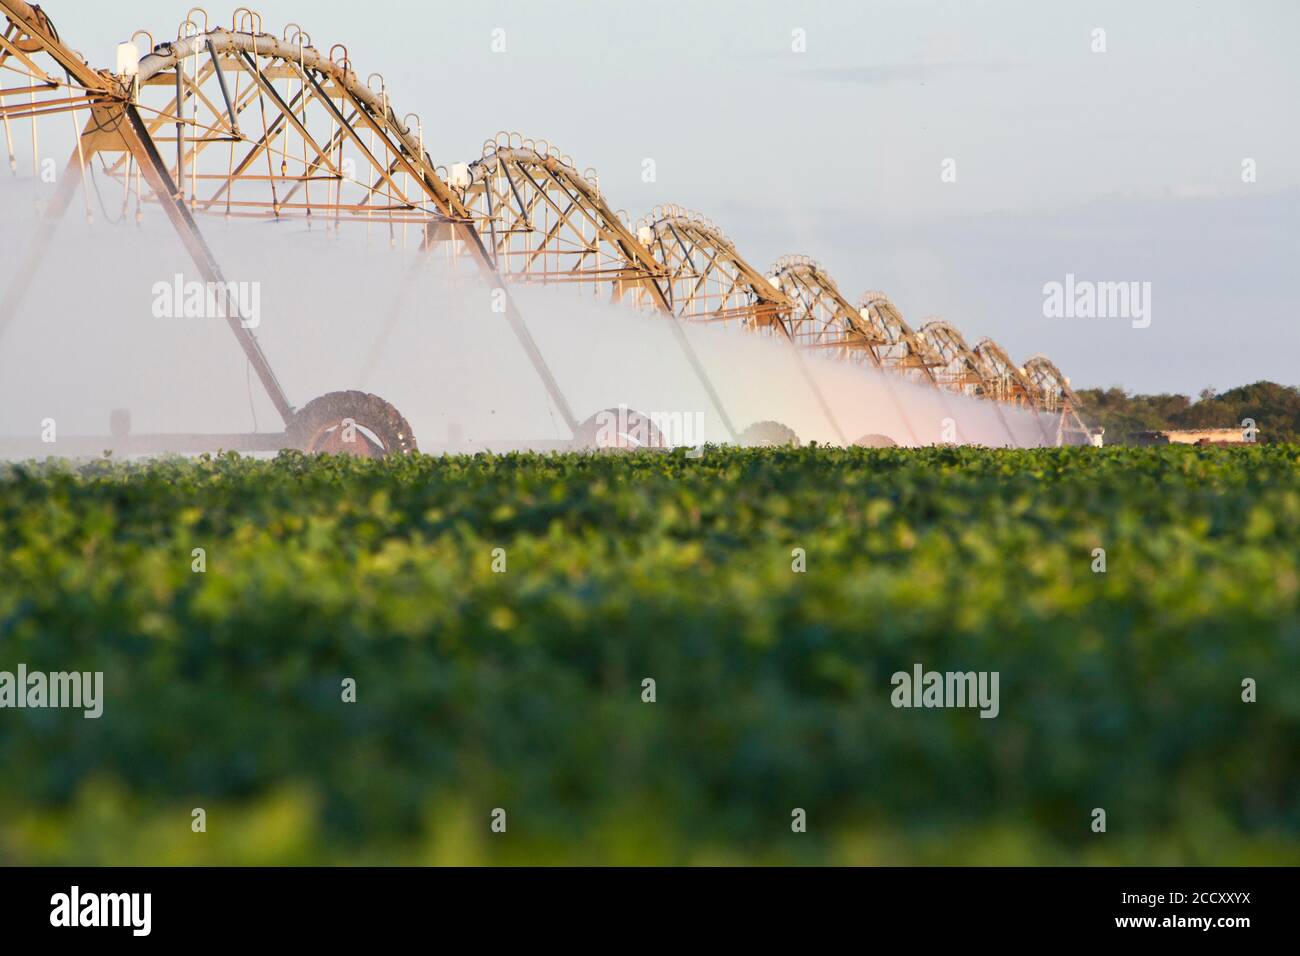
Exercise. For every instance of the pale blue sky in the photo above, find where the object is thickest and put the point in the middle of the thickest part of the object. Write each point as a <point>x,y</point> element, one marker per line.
<point>1123,165</point>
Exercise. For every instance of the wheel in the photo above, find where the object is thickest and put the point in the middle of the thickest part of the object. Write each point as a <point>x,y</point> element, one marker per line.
<point>768,435</point>
<point>876,441</point>
<point>350,423</point>
<point>618,428</point>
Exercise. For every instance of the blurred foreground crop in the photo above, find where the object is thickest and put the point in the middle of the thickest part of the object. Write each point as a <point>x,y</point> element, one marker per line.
<point>522,690</point>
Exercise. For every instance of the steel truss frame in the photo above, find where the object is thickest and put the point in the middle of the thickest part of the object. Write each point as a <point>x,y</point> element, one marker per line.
<point>709,281</point>
<point>243,123</point>
<point>543,221</point>
<point>317,136</point>
<point>1056,395</point>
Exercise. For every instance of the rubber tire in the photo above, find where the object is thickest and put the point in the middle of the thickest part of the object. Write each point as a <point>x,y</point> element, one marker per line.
<point>369,411</point>
<point>768,435</point>
<point>875,441</point>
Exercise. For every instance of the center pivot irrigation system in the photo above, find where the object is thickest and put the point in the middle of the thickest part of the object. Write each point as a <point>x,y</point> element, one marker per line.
<point>242,123</point>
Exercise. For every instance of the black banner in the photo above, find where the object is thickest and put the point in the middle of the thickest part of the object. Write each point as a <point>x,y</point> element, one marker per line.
<point>336,906</point>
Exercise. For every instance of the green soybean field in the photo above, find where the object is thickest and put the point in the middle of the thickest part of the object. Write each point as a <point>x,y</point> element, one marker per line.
<point>655,658</point>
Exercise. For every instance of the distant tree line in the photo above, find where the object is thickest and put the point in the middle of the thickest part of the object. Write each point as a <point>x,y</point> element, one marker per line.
<point>1274,408</point>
